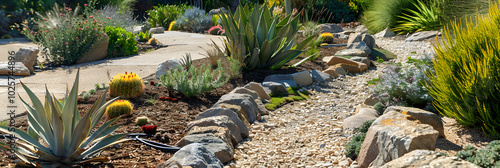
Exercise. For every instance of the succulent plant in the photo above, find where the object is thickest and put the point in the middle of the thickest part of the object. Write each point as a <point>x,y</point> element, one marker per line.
<point>215,30</point>
<point>326,37</point>
<point>149,129</point>
<point>58,136</point>
<point>143,37</point>
<point>128,85</point>
<point>142,120</point>
<point>118,108</point>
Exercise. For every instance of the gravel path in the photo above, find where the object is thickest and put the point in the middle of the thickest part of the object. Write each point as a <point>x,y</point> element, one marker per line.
<point>309,133</point>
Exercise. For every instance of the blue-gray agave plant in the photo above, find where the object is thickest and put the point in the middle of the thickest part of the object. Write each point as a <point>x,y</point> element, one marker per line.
<point>57,136</point>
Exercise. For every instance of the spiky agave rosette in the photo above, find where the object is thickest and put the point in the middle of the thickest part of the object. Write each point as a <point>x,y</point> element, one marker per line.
<point>128,85</point>
<point>58,136</point>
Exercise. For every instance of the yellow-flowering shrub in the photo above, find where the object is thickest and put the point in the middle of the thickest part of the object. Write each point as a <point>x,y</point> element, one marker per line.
<point>118,108</point>
<point>128,85</point>
<point>327,37</point>
<point>466,84</point>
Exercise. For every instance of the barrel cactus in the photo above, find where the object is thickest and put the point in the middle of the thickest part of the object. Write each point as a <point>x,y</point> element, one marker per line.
<point>327,37</point>
<point>118,108</point>
<point>128,85</point>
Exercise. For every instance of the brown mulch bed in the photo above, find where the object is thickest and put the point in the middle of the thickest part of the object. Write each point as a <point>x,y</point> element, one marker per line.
<point>458,136</point>
<point>170,117</point>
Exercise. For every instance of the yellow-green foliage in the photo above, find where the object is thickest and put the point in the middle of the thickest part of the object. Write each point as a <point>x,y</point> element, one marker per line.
<point>293,95</point>
<point>118,108</point>
<point>326,37</point>
<point>126,85</point>
<point>467,82</point>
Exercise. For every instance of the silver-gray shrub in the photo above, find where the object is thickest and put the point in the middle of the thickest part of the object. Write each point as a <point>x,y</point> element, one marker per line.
<point>192,82</point>
<point>194,20</point>
<point>121,18</point>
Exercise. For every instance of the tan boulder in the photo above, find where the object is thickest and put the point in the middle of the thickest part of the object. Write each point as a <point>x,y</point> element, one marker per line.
<point>427,158</point>
<point>424,117</point>
<point>98,51</point>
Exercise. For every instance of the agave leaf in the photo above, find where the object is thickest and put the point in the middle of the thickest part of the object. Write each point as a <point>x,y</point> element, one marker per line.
<point>25,137</point>
<point>58,129</point>
<point>304,43</point>
<point>278,60</point>
<point>39,113</point>
<point>272,30</point>
<point>80,133</point>
<point>265,53</point>
<point>100,112</point>
<point>35,122</point>
<point>108,141</point>
<point>68,112</point>
<point>254,58</point>
<point>104,130</point>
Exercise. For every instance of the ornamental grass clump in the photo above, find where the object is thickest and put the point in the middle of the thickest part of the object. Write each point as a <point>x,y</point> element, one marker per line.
<point>260,40</point>
<point>58,136</point>
<point>194,81</point>
<point>63,34</point>
<point>466,84</point>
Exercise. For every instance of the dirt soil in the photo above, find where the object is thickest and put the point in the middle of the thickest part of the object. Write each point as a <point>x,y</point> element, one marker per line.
<point>170,117</point>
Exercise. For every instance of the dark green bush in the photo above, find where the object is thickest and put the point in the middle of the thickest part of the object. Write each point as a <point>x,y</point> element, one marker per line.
<point>121,42</point>
<point>352,148</point>
<point>162,15</point>
<point>488,156</point>
<point>327,11</point>
<point>364,127</point>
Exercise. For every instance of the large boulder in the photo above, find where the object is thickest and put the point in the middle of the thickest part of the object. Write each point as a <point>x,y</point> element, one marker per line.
<point>98,51</point>
<point>422,35</point>
<point>164,67</point>
<point>229,113</point>
<point>223,151</point>
<point>391,136</point>
<point>385,33</point>
<point>424,117</point>
<point>303,78</point>
<point>220,132</point>
<point>255,96</point>
<point>352,53</point>
<point>329,28</point>
<point>157,30</point>
<point>274,87</point>
<point>194,155</point>
<point>319,76</point>
<point>427,158</point>
<point>361,37</point>
<point>18,69</point>
<point>220,121</point>
<point>363,115</point>
<point>258,88</point>
<point>340,60</point>
<point>335,71</point>
<point>360,46</point>
<point>352,68</point>
<point>237,109</point>
<point>27,56</point>
<point>286,79</point>
<point>364,60</point>
<point>246,102</point>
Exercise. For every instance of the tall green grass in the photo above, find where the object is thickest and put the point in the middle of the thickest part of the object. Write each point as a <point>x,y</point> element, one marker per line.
<point>384,13</point>
<point>466,83</point>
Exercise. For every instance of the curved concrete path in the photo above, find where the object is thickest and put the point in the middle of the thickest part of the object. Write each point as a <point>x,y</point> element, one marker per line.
<point>97,72</point>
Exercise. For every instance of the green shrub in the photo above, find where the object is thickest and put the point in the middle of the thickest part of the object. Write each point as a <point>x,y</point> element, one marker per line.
<point>194,20</point>
<point>426,17</point>
<point>121,42</point>
<point>352,148</point>
<point>163,15</point>
<point>259,40</point>
<point>383,14</point>
<point>64,34</point>
<point>365,126</point>
<point>143,37</point>
<point>326,11</point>
<point>466,85</point>
<point>193,82</point>
<point>488,156</point>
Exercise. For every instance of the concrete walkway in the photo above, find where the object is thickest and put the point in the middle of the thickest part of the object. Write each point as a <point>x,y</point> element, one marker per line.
<point>97,72</point>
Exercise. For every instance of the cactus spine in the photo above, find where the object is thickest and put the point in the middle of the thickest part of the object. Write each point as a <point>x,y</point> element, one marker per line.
<point>118,108</point>
<point>126,85</point>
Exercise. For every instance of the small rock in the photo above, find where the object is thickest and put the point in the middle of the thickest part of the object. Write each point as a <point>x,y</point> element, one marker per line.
<point>302,78</point>
<point>422,35</point>
<point>351,52</point>
<point>258,88</point>
<point>426,158</point>
<point>274,87</point>
<point>164,67</point>
<point>221,121</point>
<point>335,71</point>
<point>329,28</point>
<point>360,46</point>
<point>194,155</point>
<point>361,37</point>
<point>157,30</point>
<point>27,56</point>
<point>285,79</point>
<point>229,113</point>
<point>18,69</point>
<point>385,33</point>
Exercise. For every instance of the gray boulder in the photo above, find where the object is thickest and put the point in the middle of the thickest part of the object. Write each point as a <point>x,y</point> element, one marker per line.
<point>221,121</point>
<point>361,29</point>
<point>255,96</point>
<point>246,102</point>
<point>27,56</point>
<point>419,36</point>
<point>164,67</point>
<point>18,69</point>
<point>303,78</point>
<point>157,30</point>
<point>285,79</point>
<point>360,46</point>
<point>319,76</point>
<point>385,33</point>
<point>427,158</point>
<point>391,136</point>
<point>329,28</point>
<point>220,132</point>
<point>361,37</point>
<point>213,144</point>
<point>364,114</point>
<point>218,11</point>
<point>274,87</point>
<point>258,88</point>
<point>351,52</point>
<point>194,155</point>
<point>229,113</point>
